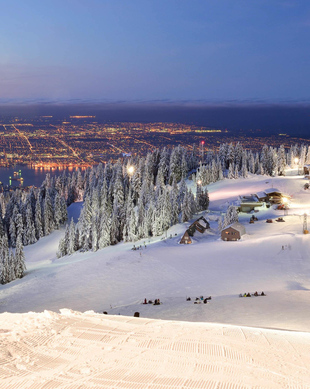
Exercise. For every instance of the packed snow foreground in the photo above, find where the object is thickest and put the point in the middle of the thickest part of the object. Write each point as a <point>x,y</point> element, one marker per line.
<point>262,342</point>
<point>74,350</point>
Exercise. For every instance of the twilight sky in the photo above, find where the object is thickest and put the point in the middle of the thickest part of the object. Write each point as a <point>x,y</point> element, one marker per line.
<point>144,50</point>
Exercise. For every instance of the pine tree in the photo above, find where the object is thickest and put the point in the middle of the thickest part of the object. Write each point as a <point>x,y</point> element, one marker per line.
<point>12,233</point>
<point>104,236</point>
<point>281,160</point>
<point>175,168</point>
<point>132,227</point>
<point>72,238</point>
<point>94,233</point>
<point>231,215</point>
<point>57,212</point>
<point>114,227</point>
<point>231,171</point>
<point>230,155</point>
<point>20,266</point>
<point>182,191</point>
<point>48,215</point>
<point>220,224</point>
<point>244,166</point>
<point>84,224</point>
<point>4,260</point>
<point>186,208</point>
<point>11,263</point>
<point>202,200</point>
<point>236,174</point>
<point>38,220</point>
<point>166,211</point>
<point>29,233</point>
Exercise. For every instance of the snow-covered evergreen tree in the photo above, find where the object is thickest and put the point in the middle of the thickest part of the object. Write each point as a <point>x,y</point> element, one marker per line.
<point>48,222</point>
<point>281,160</point>
<point>20,266</point>
<point>29,236</point>
<point>72,246</point>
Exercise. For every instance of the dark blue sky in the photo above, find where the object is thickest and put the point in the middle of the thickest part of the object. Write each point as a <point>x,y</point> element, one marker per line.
<point>145,50</point>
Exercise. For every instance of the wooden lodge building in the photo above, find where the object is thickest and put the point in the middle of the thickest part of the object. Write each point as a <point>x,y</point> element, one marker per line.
<point>271,195</point>
<point>233,232</point>
<point>186,239</point>
<point>275,196</point>
<point>200,225</point>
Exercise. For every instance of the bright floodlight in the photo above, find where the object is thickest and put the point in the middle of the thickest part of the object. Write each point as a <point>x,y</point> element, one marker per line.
<point>199,182</point>
<point>296,160</point>
<point>130,170</point>
<point>285,200</point>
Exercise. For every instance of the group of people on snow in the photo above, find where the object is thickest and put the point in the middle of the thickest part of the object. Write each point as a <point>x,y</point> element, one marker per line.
<point>156,302</point>
<point>250,295</point>
<point>199,300</point>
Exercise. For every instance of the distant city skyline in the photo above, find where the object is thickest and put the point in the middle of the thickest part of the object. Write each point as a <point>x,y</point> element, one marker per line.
<point>146,51</point>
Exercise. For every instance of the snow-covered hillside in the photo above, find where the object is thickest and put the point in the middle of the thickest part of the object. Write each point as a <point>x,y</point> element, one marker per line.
<point>270,257</point>
<point>121,278</point>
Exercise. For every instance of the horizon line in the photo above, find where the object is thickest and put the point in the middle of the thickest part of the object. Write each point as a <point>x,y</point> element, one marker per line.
<point>198,103</point>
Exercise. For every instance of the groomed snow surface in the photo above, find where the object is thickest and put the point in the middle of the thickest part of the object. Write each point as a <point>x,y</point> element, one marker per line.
<point>262,342</point>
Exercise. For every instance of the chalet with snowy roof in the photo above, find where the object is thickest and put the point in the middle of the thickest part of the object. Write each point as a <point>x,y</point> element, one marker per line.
<point>233,232</point>
<point>274,195</point>
<point>200,225</point>
<point>186,239</point>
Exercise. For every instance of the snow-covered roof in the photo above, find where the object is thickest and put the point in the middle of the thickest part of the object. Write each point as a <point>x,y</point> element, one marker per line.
<point>249,199</point>
<point>237,226</point>
<point>272,190</point>
<point>260,194</point>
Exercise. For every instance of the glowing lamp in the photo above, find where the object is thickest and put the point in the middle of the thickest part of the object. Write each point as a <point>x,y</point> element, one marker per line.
<point>130,170</point>
<point>296,160</point>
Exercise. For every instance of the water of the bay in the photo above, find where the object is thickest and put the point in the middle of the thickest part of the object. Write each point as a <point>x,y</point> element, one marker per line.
<point>22,176</point>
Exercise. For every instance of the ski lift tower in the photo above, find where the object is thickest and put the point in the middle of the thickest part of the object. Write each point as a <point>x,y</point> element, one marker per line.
<point>202,143</point>
<point>305,227</point>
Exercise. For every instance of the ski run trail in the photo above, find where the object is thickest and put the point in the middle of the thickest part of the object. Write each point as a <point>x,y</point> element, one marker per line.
<point>53,333</point>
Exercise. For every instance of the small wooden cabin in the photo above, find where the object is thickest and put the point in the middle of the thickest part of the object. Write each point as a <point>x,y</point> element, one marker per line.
<point>186,239</point>
<point>233,232</point>
<point>306,170</point>
<point>274,195</point>
<point>200,225</point>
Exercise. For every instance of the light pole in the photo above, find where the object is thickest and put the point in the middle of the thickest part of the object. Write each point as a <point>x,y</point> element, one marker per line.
<point>202,149</point>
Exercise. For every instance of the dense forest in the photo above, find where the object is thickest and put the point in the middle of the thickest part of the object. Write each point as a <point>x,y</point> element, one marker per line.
<point>144,196</point>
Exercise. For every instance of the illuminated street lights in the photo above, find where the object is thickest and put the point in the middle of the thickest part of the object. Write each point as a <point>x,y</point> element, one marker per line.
<point>130,170</point>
